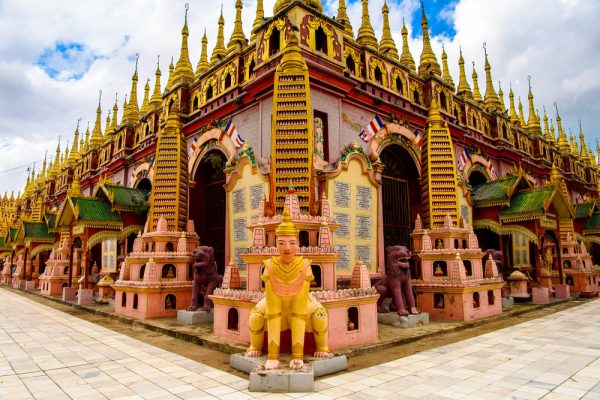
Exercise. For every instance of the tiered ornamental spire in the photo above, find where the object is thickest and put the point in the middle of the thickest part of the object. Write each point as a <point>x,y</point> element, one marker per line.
<point>238,39</point>
<point>132,110</point>
<point>184,73</point>
<point>406,57</point>
<point>124,114</point>
<point>74,156</point>
<point>145,104</point>
<point>562,143</point>
<point>281,4</point>
<point>521,115</point>
<point>219,51</point>
<point>463,86</point>
<point>170,79</point>
<point>428,60</point>
<point>366,34</point>
<point>114,125</point>
<point>387,46</point>
<point>549,136</point>
<point>342,17</point>
<point>156,99</point>
<point>491,100</point>
<point>202,66</point>
<point>446,71</point>
<point>260,16</point>
<point>501,97</point>
<point>514,118</point>
<point>97,138</point>
<point>583,152</point>
<point>533,123</point>
<point>439,182</point>
<point>476,93</point>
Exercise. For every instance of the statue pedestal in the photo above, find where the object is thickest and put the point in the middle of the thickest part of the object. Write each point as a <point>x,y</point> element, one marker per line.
<point>562,291</point>
<point>412,320</point>
<point>69,293</point>
<point>507,302</point>
<point>185,317</point>
<point>540,295</point>
<point>85,297</point>
<point>29,285</point>
<point>285,380</point>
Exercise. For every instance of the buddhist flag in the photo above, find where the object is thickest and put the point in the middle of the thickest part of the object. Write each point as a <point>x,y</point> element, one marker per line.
<point>418,139</point>
<point>195,143</point>
<point>370,130</point>
<point>491,171</point>
<point>462,160</point>
<point>233,133</point>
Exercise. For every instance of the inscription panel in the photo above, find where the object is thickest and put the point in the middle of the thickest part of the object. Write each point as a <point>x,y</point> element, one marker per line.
<point>239,229</point>
<point>239,200</point>
<point>341,194</point>
<point>344,256</point>
<point>344,220</point>
<point>363,227</point>
<point>256,195</point>
<point>363,197</point>
<point>364,253</point>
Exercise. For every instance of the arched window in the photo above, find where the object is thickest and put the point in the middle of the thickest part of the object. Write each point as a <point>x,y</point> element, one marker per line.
<point>233,319</point>
<point>353,321</point>
<point>399,87</point>
<point>169,246</point>
<point>351,65</point>
<point>320,40</point>
<point>251,68</point>
<point>195,104</point>
<point>142,272</point>
<point>316,271</point>
<point>378,75</point>
<point>170,302</point>
<point>443,101</point>
<point>468,267</point>
<point>228,81</point>
<point>135,301</point>
<point>124,300</point>
<point>440,268</point>
<point>209,93</point>
<point>438,301</point>
<point>169,271</point>
<point>416,96</point>
<point>476,300</point>
<point>491,298</point>
<point>274,40</point>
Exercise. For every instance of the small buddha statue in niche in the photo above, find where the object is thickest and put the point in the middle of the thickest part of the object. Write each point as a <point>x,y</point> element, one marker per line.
<point>437,270</point>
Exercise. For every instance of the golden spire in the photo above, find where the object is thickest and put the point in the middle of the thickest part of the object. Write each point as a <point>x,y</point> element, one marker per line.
<point>533,124</point>
<point>406,58</point>
<point>583,152</point>
<point>43,173</point>
<point>387,46</point>
<point>75,190</point>
<point>74,156</point>
<point>547,134</point>
<point>202,66</point>
<point>238,39</point>
<point>573,143</point>
<point>563,144</point>
<point>97,139</point>
<point>445,70</point>
<point>124,114</point>
<point>56,164</point>
<point>501,97</point>
<point>170,80</point>
<point>219,51</point>
<point>281,4</point>
<point>463,86</point>
<point>184,71</point>
<point>133,110</point>
<point>145,106</point>
<point>114,117</point>
<point>82,148</point>
<point>260,16</point>
<point>428,61</point>
<point>107,126</point>
<point>87,137</point>
<point>434,117</point>
<point>491,100</point>
<point>521,115</point>
<point>476,92</point>
<point>552,132</point>
<point>156,98</point>
<point>366,34</point>
<point>514,118</point>
<point>342,17</point>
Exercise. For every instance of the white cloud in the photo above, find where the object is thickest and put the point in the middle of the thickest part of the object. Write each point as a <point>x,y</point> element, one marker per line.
<point>553,41</point>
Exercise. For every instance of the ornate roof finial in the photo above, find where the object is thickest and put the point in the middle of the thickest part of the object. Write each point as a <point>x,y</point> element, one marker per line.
<point>549,136</point>
<point>124,115</point>
<point>501,97</point>
<point>463,86</point>
<point>145,103</point>
<point>97,139</point>
<point>74,156</point>
<point>434,118</point>
<point>114,117</point>
<point>156,98</point>
<point>238,38</point>
<point>170,80</point>
<point>406,58</point>
<point>521,115</point>
<point>562,142</point>
<point>183,70</point>
<point>202,66</point>
<point>533,124</point>
<point>260,16</point>
<point>445,70</point>
<point>476,93</point>
<point>366,34</point>
<point>219,51</point>
<point>491,100</point>
<point>387,46</point>
<point>428,60</point>
<point>514,118</point>
<point>342,17</point>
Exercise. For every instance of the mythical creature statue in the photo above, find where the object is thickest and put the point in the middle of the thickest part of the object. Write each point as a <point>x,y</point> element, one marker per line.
<point>496,256</point>
<point>287,304</point>
<point>205,275</point>
<point>396,282</point>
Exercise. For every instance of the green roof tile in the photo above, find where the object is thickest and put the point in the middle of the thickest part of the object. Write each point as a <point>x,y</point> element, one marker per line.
<point>593,224</point>
<point>127,197</point>
<point>583,210</point>
<point>528,201</point>
<point>1,242</point>
<point>494,190</point>
<point>13,233</point>
<point>95,210</point>
<point>37,230</point>
<point>50,219</point>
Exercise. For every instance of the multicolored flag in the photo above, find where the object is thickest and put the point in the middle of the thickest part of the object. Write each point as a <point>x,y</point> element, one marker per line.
<point>370,130</point>
<point>195,143</point>
<point>418,139</point>
<point>491,171</point>
<point>233,133</point>
<point>462,160</point>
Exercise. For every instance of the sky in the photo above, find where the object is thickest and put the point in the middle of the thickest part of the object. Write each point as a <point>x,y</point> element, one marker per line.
<point>55,57</point>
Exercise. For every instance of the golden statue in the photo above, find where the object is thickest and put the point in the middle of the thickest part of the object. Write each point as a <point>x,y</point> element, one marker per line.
<point>287,304</point>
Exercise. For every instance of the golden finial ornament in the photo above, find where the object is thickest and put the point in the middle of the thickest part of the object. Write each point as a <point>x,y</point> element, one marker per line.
<point>342,17</point>
<point>202,66</point>
<point>501,97</point>
<point>521,115</point>
<point>476,93</point>
<point>238,39</point>
<point>156,99</point>
<point>533,124</point>
<point>74,156</point>
<point>366,34</point>
<point>490,100</point>
<point>184,73</point>
<point>219,51</point>
<point>97,138</point>
<point>446,77</point>
<point>514,118</point>
<point>258,20</point>
<point>406,57</point>
<point>145,103</point>
<point>428,61</point>
<point>562,142</point>
<point>463,86</point>
<point>387,46</point>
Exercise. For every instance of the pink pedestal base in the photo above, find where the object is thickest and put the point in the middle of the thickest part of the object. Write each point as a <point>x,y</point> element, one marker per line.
<point>69,294</point>
<point>540,295</point>
<point>562,291</point>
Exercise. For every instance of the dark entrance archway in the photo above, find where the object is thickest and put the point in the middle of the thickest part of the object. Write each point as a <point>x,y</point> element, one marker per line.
<point>144,184</point>
<point>208,205</point>
<point>477,178</point>
<point>401,195</point>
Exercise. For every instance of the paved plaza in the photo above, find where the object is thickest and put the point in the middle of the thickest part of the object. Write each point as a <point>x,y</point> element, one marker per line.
<point>47,354</point>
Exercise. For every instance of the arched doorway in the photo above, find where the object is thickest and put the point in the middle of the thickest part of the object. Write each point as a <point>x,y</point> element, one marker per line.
<point>477,178</point>
<point>144,184</point>
<point>401,195</point>
<point>207,204</point>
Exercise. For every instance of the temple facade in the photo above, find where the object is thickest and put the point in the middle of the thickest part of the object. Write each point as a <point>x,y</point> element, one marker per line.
<point>307,101</point>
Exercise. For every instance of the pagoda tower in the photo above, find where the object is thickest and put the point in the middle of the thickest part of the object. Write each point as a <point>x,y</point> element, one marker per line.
<point>292,130</point>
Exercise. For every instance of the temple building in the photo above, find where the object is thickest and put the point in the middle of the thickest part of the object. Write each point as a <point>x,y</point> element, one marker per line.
<point>310,102</point>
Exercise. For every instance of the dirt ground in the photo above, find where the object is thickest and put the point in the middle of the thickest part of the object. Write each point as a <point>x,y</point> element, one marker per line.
<point>220,360</point>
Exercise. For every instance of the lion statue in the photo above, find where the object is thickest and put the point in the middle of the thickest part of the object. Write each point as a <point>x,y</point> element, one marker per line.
<point>496,256</point>
<point>205,275</point>
<point>396,283</point>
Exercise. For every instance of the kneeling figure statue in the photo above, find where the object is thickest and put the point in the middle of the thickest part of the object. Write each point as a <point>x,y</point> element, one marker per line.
<point>287,304</point>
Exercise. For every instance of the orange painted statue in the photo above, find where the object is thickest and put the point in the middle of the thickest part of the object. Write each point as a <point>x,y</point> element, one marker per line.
<point>287,304</point>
